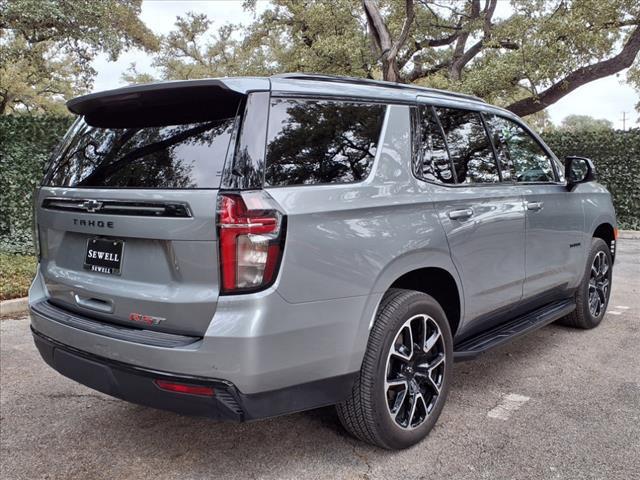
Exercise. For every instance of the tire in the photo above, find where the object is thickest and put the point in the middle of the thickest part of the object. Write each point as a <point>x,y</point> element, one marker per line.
<point>584,316</point>
<point>379,413</point>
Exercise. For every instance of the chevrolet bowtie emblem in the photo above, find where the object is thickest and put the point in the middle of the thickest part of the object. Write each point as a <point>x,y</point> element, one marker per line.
<point>91,205</point>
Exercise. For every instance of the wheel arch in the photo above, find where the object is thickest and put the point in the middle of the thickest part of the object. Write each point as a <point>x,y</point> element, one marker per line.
<point>437,276</point>
<point>607,232</point>
<point>439,284</point>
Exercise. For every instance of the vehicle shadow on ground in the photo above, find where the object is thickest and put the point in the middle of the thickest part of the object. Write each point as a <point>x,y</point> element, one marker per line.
<point>294,438</point>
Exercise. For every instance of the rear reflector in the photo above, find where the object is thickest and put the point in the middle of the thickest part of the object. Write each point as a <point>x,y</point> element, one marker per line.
<point>201,390</point>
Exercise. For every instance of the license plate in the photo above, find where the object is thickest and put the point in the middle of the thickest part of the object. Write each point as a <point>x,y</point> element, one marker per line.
<point>104,255</point>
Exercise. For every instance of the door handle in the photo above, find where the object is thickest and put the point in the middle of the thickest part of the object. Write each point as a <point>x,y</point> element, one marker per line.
<point>535,206</point>
<point>460,214</point>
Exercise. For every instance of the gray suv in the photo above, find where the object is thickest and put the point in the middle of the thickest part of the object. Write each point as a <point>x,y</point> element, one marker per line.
<point>241,248</point>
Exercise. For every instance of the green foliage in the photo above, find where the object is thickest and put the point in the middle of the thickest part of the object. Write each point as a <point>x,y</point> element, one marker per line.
<point>616,155</point>
<point>290,36</point>
<point>16,273</point>
<point>525,56</point>
<point>575,123</point>
<point>47,46</point>
<point>25,145</point>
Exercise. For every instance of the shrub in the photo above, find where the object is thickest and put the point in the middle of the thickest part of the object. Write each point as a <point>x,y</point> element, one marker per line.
<point>25,145</point>
<point>616,155</point>
<point>16,273</point>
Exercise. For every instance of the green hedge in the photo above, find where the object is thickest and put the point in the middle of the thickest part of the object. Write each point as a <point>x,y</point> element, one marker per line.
<point>616,155</point>
<point>25,145</point>
<point>26,142</point>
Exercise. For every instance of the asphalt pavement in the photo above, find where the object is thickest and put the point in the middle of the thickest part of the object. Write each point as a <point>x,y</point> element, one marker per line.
<point>556,404</point>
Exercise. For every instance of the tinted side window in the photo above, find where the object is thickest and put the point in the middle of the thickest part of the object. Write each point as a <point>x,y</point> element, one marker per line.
<point>530,162</point>
<point>314,142</point>
<point>469,146</point>
<point>433,159</point>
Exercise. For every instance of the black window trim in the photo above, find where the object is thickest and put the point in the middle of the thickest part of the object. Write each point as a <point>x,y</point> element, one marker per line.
<point>497,113</point>
<point>249,135</point>
<point>331,98</point>
<point>434,114</point>
<point>416,150</point>
<point>431,108</point>
<point>493,149</point>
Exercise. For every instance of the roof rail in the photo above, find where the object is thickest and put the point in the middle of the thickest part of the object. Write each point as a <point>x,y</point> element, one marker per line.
<point>377,83</point>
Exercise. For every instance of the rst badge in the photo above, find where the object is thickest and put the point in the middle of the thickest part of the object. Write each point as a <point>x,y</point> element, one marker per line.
<point>104,255</point>
<point>146,319</point>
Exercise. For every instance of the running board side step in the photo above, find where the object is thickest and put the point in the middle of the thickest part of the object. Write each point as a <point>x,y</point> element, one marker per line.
<point>474,346</point>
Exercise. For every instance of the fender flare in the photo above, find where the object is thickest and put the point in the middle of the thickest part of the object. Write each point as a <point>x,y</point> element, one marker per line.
<point>399,266</point>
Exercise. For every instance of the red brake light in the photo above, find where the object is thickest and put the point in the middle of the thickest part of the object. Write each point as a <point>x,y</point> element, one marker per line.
<point>201,390</point>
<point>251,234</point>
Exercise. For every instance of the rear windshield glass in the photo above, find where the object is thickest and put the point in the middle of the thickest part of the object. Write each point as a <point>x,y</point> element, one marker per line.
<point>172,156</point>
<point>314,142</point>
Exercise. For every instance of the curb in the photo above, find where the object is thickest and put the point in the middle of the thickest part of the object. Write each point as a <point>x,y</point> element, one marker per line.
<point>17,305</point>
<point>629,235</point>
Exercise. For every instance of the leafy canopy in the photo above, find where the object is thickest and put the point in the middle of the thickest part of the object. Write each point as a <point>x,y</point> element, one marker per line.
<point>576,123</point>
<point>47,46</point>
<point>524,55</point>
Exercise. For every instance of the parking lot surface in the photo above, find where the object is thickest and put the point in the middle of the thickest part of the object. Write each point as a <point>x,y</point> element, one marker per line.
<point>556,404</point>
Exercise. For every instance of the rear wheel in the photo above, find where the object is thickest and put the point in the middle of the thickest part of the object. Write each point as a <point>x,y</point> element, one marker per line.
<point>592,296</point>
<point>405,375</point>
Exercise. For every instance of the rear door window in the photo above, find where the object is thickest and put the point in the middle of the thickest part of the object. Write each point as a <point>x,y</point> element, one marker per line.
<point>312,142</point>
<point>470,149</point>
<point>171,156</point>
<point>527,158</point>
<point>433,163</point>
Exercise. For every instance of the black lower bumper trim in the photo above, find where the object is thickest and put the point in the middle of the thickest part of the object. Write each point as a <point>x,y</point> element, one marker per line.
<point>136,384</point>
<point>136,335</point>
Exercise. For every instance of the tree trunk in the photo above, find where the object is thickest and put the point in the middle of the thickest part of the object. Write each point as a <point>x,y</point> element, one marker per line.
<point>382,41</point>
<point>390,71</point>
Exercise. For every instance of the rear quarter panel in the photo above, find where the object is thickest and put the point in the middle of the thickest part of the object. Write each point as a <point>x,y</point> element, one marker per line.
<point>357,239</point>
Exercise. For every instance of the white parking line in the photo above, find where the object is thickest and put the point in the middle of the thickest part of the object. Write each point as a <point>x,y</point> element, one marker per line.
<point>510,403</point>
<point>622,307</point>
<point>613,312</point>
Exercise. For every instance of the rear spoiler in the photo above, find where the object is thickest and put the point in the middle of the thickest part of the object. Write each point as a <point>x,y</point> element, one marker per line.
<point>152,104</point>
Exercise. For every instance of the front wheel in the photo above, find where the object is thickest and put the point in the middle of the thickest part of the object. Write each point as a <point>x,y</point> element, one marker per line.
<point>405,374</point>
<point>592,296</point>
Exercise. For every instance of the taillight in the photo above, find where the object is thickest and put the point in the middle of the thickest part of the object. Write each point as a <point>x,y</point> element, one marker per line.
<point>251,232</point>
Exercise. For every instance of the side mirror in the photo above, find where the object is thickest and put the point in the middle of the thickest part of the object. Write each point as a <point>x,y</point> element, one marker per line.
<point>578,170</point>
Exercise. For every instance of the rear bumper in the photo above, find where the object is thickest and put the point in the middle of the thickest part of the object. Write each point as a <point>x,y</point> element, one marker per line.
<point>258,342</point>
<point>137,385</point>
<point>262,355</point>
